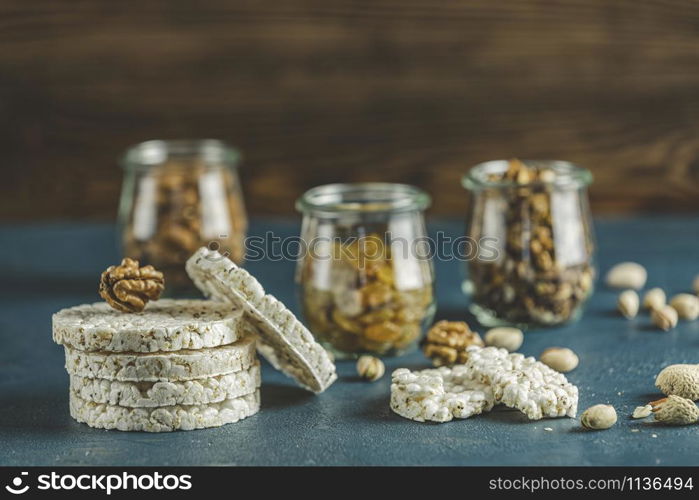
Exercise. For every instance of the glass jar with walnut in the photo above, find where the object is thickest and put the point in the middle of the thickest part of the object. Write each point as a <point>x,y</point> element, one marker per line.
<point>365,277</point>
<point>531,223</point>
<point>178,196</point>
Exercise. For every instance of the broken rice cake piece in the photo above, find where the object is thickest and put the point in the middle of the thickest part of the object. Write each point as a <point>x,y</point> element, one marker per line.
<point>438,394</point>
<point>523,383</point>
<point>490,376</point>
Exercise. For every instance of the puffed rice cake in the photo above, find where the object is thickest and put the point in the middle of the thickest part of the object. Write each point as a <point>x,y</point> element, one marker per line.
<point>163,366</point>
<point>166,418</point>
<point>282,338</point>
<point>523,383</point>
<point>490,376</point>
<point>154,394</point>
<point>164,325</point>
<point>438,395</point>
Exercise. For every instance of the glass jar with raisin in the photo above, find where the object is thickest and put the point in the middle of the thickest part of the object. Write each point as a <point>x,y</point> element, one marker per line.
<point>365,275</point>
<point>176,197</point>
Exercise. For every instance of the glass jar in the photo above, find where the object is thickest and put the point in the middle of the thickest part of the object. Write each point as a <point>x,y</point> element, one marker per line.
<point>365,276</point>
<point>531,224</point>
<point>176,197</point>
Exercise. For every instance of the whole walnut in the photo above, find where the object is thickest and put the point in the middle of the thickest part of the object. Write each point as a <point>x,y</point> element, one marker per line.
<point>128,288</point>
<point>446,342</point>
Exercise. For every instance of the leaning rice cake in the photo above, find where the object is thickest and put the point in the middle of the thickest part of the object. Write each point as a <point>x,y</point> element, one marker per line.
<point>282,338</point>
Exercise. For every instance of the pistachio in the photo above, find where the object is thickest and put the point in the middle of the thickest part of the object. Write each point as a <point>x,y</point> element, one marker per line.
<point>654,299</point>
<point>686,305</point>
<point>675,410</point>
<point>679,380</point>
<point>598,417</point>
<point>506,337</point>
<point>370,368</point>
<point>628,304</point>
<point>664,318</point>
<point>642,411</point>
<point>627,275</point>
<point>560,359</point>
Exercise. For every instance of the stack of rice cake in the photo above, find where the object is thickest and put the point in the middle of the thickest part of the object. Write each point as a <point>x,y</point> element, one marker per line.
<point>179,364</point>
<point>185,364</point>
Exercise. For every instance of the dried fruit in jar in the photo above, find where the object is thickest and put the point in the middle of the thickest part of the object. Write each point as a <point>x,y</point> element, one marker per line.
<point>364,309</point>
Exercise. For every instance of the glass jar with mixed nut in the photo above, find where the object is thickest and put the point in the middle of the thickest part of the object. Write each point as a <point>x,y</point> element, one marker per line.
<point>178,196</point>
<point>531,223</point>
<point>365,277</point>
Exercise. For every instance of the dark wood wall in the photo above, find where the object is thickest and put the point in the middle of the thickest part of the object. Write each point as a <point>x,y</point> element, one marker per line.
<point>317,91</point>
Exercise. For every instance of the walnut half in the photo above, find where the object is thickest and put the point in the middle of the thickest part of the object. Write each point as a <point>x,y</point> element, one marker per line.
<point>128,288</point>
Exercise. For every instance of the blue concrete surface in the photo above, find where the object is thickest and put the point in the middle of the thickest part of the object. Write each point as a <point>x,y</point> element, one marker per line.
<point>44,268</point>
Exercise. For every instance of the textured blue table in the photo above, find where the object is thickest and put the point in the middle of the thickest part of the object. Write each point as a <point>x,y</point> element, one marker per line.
<point>45,268</point>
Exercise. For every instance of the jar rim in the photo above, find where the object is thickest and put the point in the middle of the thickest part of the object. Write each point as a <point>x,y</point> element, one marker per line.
<point>156,152</point>
<point>363,198</point>
<point>567,174</point>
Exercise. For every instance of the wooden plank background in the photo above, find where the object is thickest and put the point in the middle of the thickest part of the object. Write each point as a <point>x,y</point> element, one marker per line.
<point>317,91</point>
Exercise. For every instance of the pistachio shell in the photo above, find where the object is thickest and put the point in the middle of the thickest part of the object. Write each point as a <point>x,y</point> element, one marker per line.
<point>686,305</point>
<point>627,275</point>
<point>654,299</point>
<point>370,368</point>
<point>560,359</point>
<point>506,337</point>
<point>598,417</point>
<point>628,304</point>
<point>664,318</point>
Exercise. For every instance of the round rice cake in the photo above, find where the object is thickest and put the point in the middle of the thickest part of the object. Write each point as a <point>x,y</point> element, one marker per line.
<point>282,338</point>
<point>166,366</point>
<point>165,418</point>
<point>152,394</point>
<point>164,325</point>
